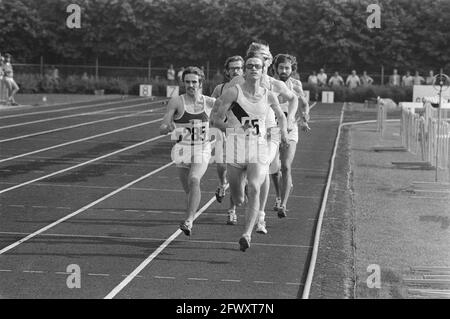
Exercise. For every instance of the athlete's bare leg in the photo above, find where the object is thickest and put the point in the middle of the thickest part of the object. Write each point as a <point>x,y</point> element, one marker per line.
<point>286,156</point>
<point>190,180</point>
<point>236,178</point>
<point>276,180</point>
<point>256,174</point>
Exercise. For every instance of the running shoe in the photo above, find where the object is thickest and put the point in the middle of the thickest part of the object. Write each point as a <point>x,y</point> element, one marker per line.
<point>186,228</point>
<point>282,212</point>
<point>220,192</point>
<point>244,243</point>
<point>277,205</point>
<point>261,227</point>
<point>232,217</point>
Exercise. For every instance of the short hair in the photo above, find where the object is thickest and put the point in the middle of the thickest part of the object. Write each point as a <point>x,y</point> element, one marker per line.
<point>233,58</point>
<point>193,70</point>
<point>258,45</point>
<point>8,55</point>
<point>283,58</point>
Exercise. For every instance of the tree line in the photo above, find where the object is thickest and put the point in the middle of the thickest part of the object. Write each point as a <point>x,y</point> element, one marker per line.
<point>414,34</point>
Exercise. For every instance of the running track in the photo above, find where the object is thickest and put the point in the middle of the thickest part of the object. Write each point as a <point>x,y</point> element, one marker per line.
<point>91,184</point>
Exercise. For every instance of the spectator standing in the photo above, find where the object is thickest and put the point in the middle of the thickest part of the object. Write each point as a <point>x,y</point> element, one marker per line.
<point>171,75</point>
<point>322,78</point>
<point>366,80</point>
<point>336,80</point>
<point>417,79</point>
<point>2,84</point>
<point>353,80</point>
<point>180,75</point>
<point>11,85</point>
<point>394,79</point>
<point>407,79</point>
<point>314,82</point>
<point>430,80</point>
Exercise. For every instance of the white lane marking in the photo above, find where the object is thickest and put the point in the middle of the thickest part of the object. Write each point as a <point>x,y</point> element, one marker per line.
<point>81,164</point>
<point>69,108</point>
<point>231,280</point>
<point>305,294</point>
<point>77,141</point>
<point>69,127</point>
<point>166,243</point>
<point>13,245</point>
<point>100,112</point>
<point>154,239</point>
<point>198,279</point>
<point>157,277</point>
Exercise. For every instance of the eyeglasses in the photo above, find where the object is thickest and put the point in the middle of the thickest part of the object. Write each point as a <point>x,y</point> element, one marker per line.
<point>235,68</point>
<point>251,66</point>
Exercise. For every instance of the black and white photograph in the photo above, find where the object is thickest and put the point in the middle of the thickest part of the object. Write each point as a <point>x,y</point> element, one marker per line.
<point>224,158</point>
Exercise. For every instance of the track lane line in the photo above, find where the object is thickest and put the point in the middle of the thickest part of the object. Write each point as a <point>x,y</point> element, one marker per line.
<point>84,208</point>
<point>81,140</point>
<point>82,164</point>
<point>312,263</point>
<point>149,259</point>
<point>67,109</point>
<point>70,127</point>
<point>101,112</point>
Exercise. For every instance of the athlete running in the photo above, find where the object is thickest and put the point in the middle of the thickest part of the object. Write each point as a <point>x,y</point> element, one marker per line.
<point>284,66</point>
<point>279,88</point>
<point>233,67</point>
<point>187,117</point>
<point>248,105</point>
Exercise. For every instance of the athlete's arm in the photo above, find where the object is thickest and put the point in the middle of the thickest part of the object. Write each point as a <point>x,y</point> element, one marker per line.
<point>221,106</point>
<point>167,124</point>
<point>281,88</point>
<point>216,92</point>
<point>282,121</point>
<point>210,103</point>
<point>303,102</point>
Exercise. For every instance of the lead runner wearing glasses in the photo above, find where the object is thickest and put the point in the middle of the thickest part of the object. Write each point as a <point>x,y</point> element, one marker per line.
<point>280,89</point>
<point>246,106</point>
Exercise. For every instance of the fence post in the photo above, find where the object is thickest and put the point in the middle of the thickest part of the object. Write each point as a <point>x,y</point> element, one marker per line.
<point>96,69</point>
<point>207,71</point>
<point>149,75</point>
<point>382,74</point>
<point>42,66</point>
